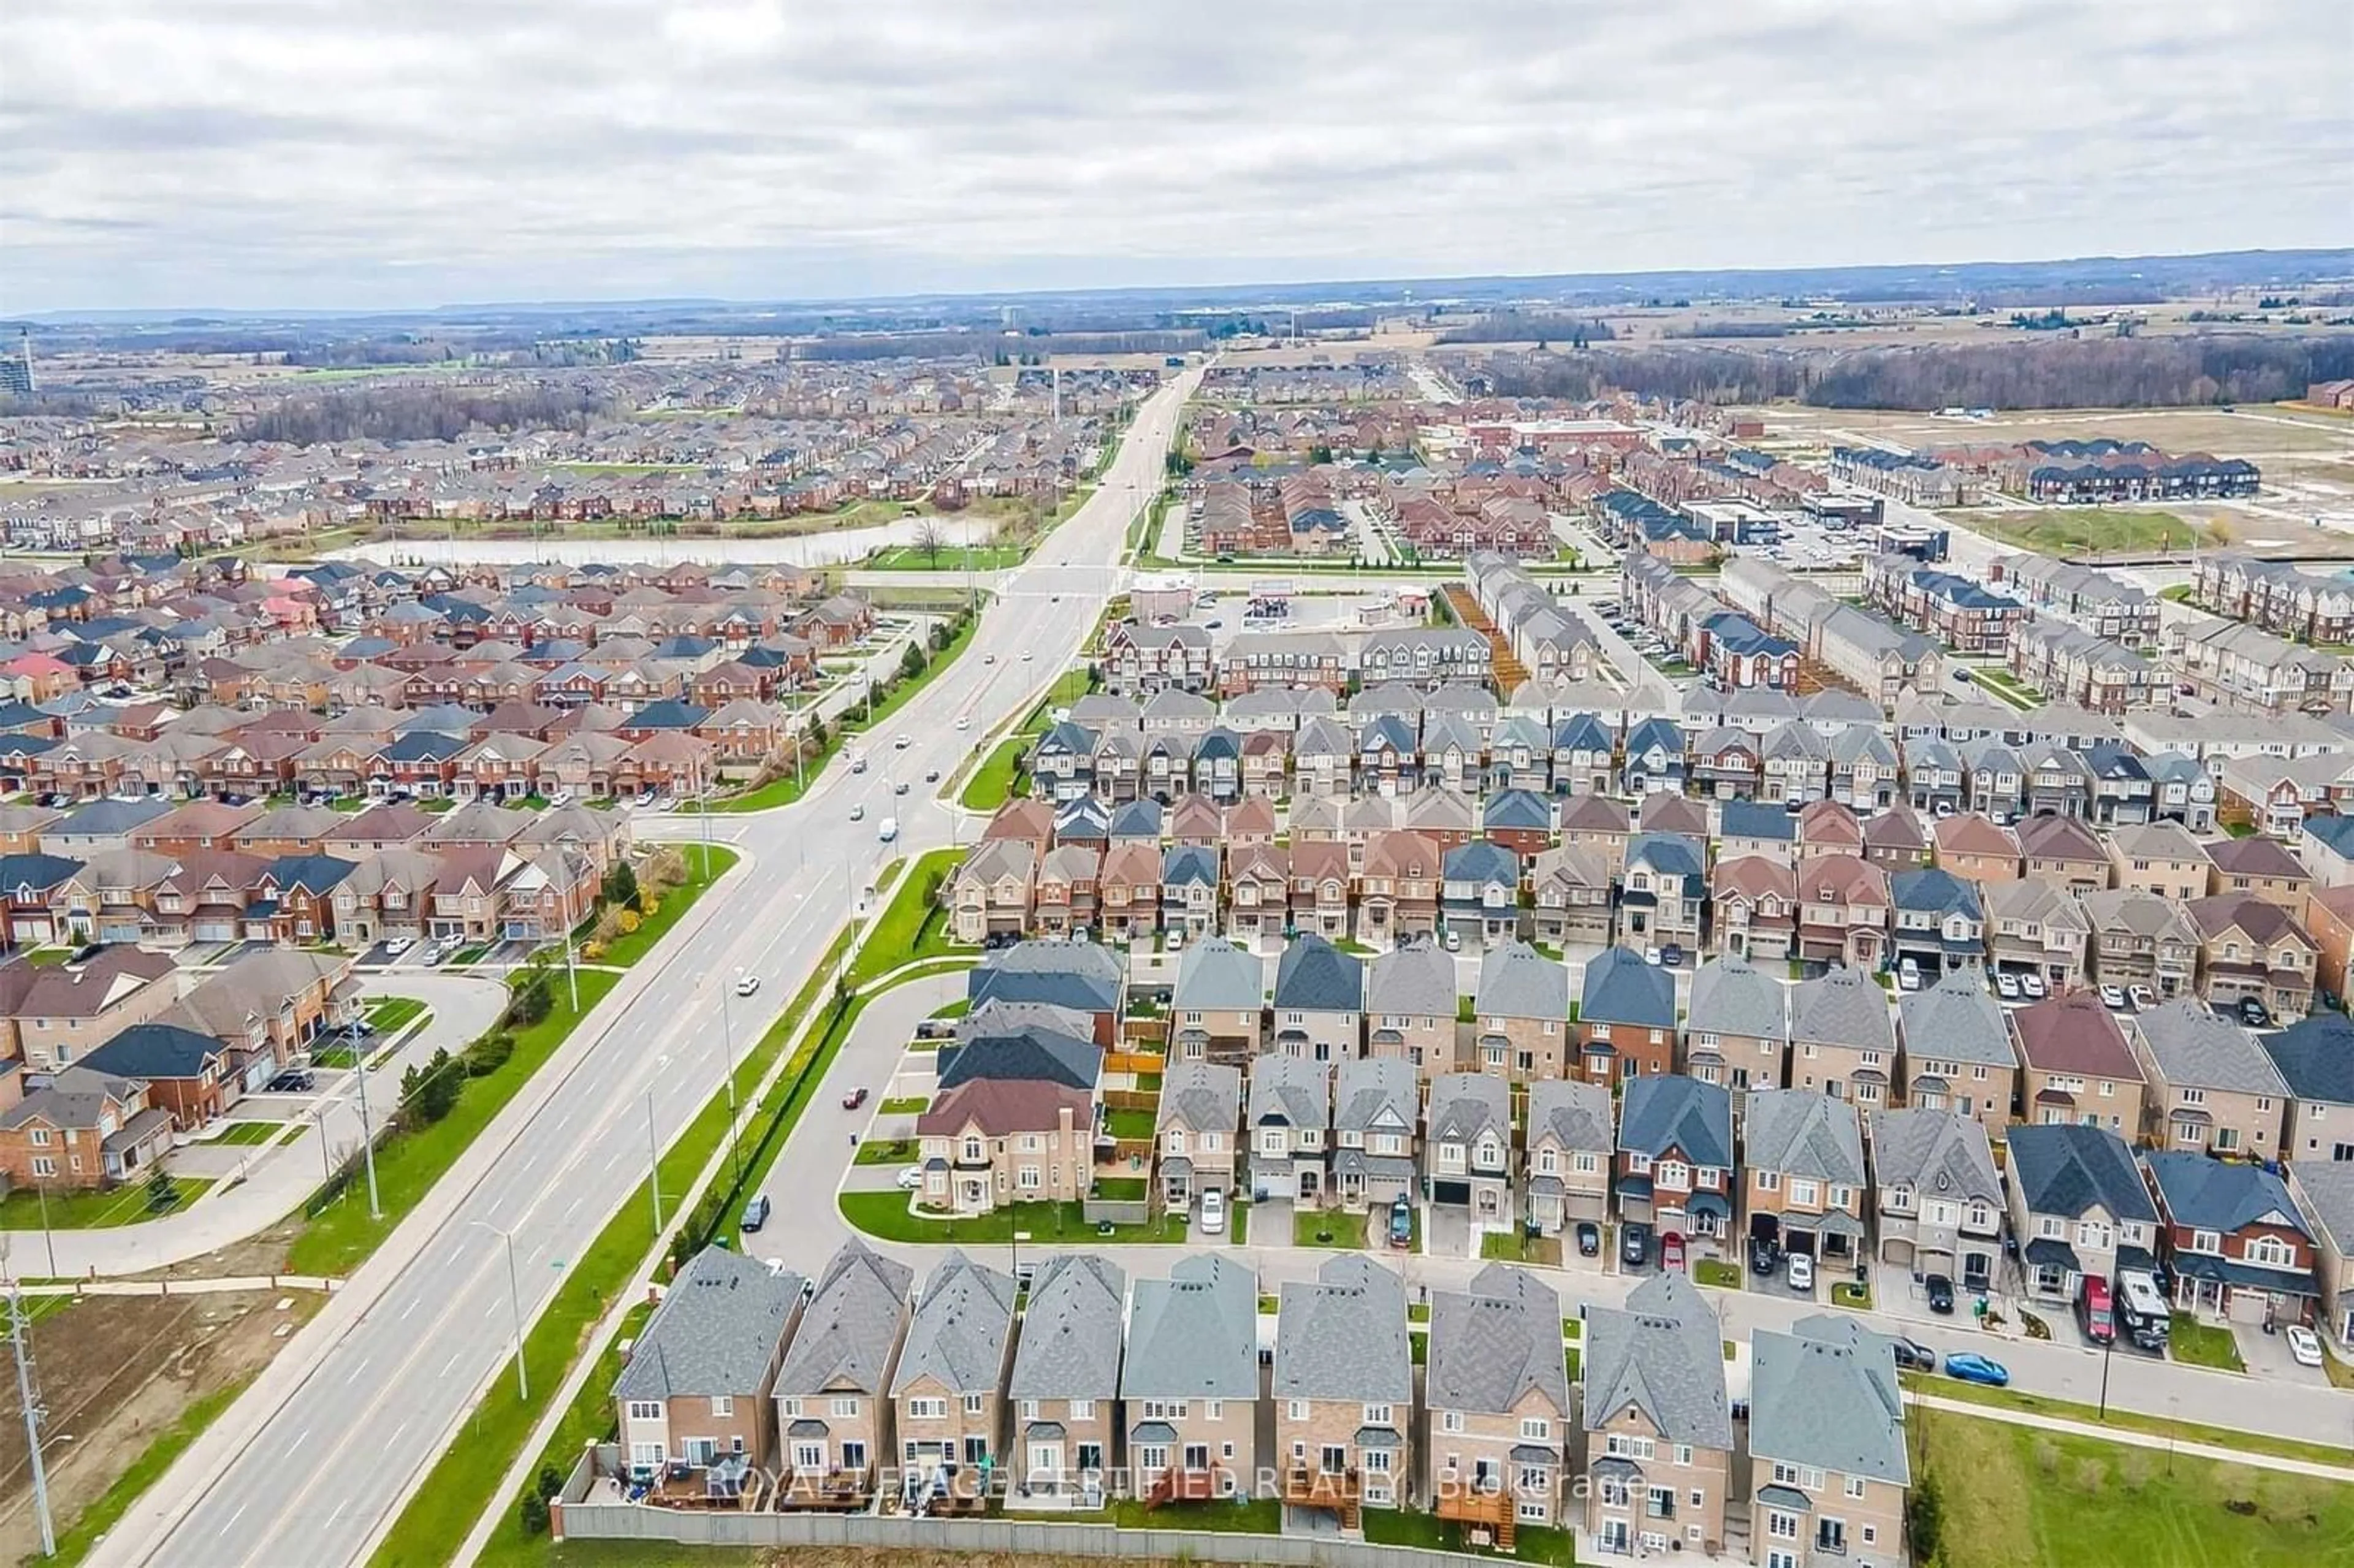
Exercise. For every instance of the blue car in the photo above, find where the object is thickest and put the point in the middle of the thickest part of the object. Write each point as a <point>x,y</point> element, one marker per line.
<point>1971,1367</point>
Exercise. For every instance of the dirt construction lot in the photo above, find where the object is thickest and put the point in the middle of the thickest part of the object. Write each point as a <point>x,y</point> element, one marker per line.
<point>115,1371</point>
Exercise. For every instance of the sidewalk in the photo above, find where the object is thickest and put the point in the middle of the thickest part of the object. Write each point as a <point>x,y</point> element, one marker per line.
<point>275,1183</point>
<point>2339,1473</point>
<point>220,1287</point>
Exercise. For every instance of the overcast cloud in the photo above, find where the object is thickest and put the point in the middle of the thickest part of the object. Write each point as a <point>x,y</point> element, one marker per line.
<point>392,153</point>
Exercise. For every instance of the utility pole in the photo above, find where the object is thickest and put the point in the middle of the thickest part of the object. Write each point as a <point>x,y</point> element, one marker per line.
<point>48,1237</point>
<point>367,1140</point>
<point>33,1415</point>
<point>653,1157</point>
<point>515,1309</point>
<point>728,1055</point>
<point>571,973</point>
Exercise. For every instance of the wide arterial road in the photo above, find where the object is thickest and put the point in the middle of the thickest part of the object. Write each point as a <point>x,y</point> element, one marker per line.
<point>311,1465</point>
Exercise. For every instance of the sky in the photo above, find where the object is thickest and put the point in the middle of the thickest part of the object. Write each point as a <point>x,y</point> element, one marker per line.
<point>392,153</point>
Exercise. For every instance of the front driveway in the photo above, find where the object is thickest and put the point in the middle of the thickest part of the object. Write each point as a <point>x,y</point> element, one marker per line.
<point>2266,1355</point>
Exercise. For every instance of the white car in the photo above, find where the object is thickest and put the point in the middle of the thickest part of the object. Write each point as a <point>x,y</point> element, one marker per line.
<point>2113,997</point>
<point>902,742</point>
<point>2142,996</point>
<point>2033,984</point>
<point>395,946</point>
<point>858,813</point>
<point>2303,1347</point>
<point>746,984</point>
<point>910,1178</point>
<point>1802,1273</point>
<point>2005,985</point>
<point>1213,1212</point>
<point>1028,655</point>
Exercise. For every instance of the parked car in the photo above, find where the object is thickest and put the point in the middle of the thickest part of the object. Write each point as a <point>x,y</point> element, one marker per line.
<point>1908,975</point>
<point>2113,997</point>
<point>1765,1257</point>
<point>1213,1212</point>
<point>746,984</point>
<point>2141,996</point>
<point>395,946</point>
<point>1671,956</point>
<point>900,787</point>
<point>1671,1251</point>
<point>2005,985</point>
<point>1454,941</point>
<point>1915,1356</point>
<point>2304,1348</point>
<point>2033,984</point>
<point>910,1178</point>
<point>2252,1012</point>
<point>854,1100</point>
<point>1940,1291</point>
<point>1401,1221</point>
<point>1971,1367</point>
<point>1802,1273</point>
<point>756,1213</point>
<point>1589,1239</point>
<point>1652,956</point>
<point>1634,1244</point>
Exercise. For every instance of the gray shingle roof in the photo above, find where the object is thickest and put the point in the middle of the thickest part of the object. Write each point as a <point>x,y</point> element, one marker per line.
<point>1463,1105</point>
<point>1344,1337</point>
<point>1215,975</point>
<point>1415,981</point>
<point>1957,1019</point>
<point>1313,975</point>
<point>2316,1056</point>
<point>1731,996</point>
<point>1663,1354</point>
<point>718,1326</point>
<point>2192,1046</point>
<point>1825,1395</point>
<point>1492,1346</point>
<point>850,1325</point>
<point>1081,975</point>
<point>1658,1113</point>
<point>1291,1090</point>
<point>1842,1007</point>
<point>1621,988</point>
<point>1364,1087</point>
<point>1070,1342</point>
<point>2066,1171</point>
<point>1193,1335</point>
<point>1941,1153</point>
<point>1577,1113</point>
<point>1518,982</point>
<point>2220,1194</point>
<point>1802,1133</point>
<point>958,1335</point>
<point>2328,1187</point>
<point>1201,1095</point>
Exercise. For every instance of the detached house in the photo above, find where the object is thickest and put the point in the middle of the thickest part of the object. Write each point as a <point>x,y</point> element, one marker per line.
<point>1200,1106</point>
<point>2248,947</point>
<point>1738,1032</point>
<point>1520,1012</point>
<point>2077,1066</point>
<point>1065,1385</point>
<point>1498,1395</point>
<point>1675,1156</point>
<point>1190,1388</point>
<point>1803,1184</point>
<point>1827,1464</point>
<point>692,1398</point>
<point>2325,1194</point>
<point>2211,1087</point>
<point>1376,1107</point>
<point>1410,1007</point>
<point>1287,1121</point>
<point>1841,1043</point>
<point>1658,1423</point>
<point>1468,1147</point>
<point>2078,1208</point>
<point>2237,1245</point>
<point>1216,1003</point>
<point>1320,1001</point>
<point>1627,1020</point>
<point>1957,1054</point>
<point>1940,1199</point>
<point>2315,1058</point>
<point>949,1389</point>
<point>1571,1141</point>
<point>1343,1387</point>
<point>836,1378</point>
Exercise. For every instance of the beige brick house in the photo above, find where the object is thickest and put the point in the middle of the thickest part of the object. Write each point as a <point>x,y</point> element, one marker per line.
<point>1343,1390</point>
<point>1572,1138</point>
<point>1410,1007</point>
<point>1497,1390</point>
<point>1828,1465</point>
<point>1189,1387</point>
<point>1656,1424</point>
<point>832,1391</point>
<point>1197,1129</point>
<point>2075,1064</point>
<point>692,1398</point>
<point>1065,1385</point>
<point>948,1392</point>
<point>2162,857</point>
<point>2211,1086</point>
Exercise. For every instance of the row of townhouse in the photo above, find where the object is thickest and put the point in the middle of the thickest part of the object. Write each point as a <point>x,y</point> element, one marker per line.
<point>1883,661</point>
<point>1551,641</point>
<point>1960,612</point>
<point>2277,595</point>
<point>2244,667</point>
<point>752,1388</point>
<point>2066,662</point>
<point>196,876</point>
<point>2107,606</point>
<point>1140,659</point>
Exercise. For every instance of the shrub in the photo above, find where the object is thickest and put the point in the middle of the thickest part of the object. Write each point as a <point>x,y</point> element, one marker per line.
<point>628,922</point>
<point>535,1001</point>
<point>489,1054</point>
<point>622,885</point>
<point>592,951</point>
<point>534,1514</point>
<point>430,1092</point>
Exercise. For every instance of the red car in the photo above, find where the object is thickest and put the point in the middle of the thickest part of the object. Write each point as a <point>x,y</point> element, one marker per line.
<point>1671,1251</point>
<point>854,1100</point>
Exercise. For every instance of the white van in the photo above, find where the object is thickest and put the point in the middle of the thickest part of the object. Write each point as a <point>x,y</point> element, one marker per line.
<point>889,829</point>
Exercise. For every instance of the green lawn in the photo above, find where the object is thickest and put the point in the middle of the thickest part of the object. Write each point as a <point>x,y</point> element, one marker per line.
<point>2202,1344</point>
<point>626,950</point>
<point>2127,1420</point>
<point>1125,1190</point>
<point>1517,1246</point>
<point>1263,1517</point>
<point>1717,1272</point>
<point>887,1152</point>
<point>885,1216</point>
<point>1328,1227</point>
<point>75,1542</point>
<point>912,926</point>
<point>21,1209</point>
<point>245,1134</point>
<point>2081,530</point>
<point>1128,1123</point>
<point>903,692</point>
<point>390,1014</point>
<point>950,558</point>
<point>2011,1495</point>
<point>991,784</point>
<point>1428,1533</point>
<point>907,1105</point>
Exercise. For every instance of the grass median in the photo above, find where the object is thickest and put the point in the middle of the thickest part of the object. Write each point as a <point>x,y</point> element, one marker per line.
<point>2127,1419</point>
<point>465,1480</point>
<point>991,784</point>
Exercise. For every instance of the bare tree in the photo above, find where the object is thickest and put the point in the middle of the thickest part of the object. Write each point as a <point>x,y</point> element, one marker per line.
<point>931,538</point>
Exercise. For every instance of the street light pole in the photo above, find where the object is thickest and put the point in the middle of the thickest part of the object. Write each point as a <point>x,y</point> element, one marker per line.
<point>515,1309</point>
<point>727,1055</point>
<point>33,1414</point>
<point>367,1138</point>
<point>654,1162</point>
<point>48,1237</point>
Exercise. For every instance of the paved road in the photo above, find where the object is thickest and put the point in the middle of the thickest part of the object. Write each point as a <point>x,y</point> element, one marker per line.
<point>274,1183</point>
<point>816,1161</point>
<point>314,1463</point>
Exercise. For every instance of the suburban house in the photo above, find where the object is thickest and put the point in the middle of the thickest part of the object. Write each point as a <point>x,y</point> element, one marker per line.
<point>2249,947</point>
<point>1936,921</point>
<point>1571,1143</point>
<point>2078,1207</point>
<point>1288,1123</point>
<point>948,1391</point>
<point>1658,1422</point>
<point>1065,1385</point>
<point>1189,1389</point>
<point>1977,847</point>
<point>1410,1006</point>
<point>1843,913</point>
<point>1827,1464</point>
<point>1376,1107</point>
<point>1082,976</point>
<point>2065,850</point>
<point>1940,1199</point>
<point>2211,1087</point>
<point>1467,1147</point>
<point>1343,1388</point>
<point>2038,927</point>
<point>1520,1009</point>
<point>1216,1003</point>
<point>2315,1058</point>
<point>1955,1051</point>
<point>2259,867</point>
<point>1803,1174</point>
<point>1627,1019</point>
<point>1663,889</point>
<point>692,1396</point>
<point>186,1073</point>
<point>1842,1044</point>
<point>2237,1246</point>
<point>2162,857</point>
<point>1320,1000</point>
<point>1571,893</point>
<point>1737,1032</point>
<point>52,1016</point>
<point>1675,1164</point>
<point>833,1389</point>
<point>2075,1067</point>
<point>1497,1390</point>
<point>2325,1195</point>
<point>2139,938</point>
<point>1013,1119</point>
<point>1200,1106</point>
<point>83,1130</point>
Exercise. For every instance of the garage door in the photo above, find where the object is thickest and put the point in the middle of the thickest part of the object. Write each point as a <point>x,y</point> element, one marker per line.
<point>124,931</point>
<point>216,931</point>
<point>1458,1192</point>
<point>2248,1306</point>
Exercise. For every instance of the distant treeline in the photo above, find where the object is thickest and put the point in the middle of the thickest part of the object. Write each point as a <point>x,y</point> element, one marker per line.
<point>421,414</point>
<point>354,353</point>
<point>2094,372</point>
<point>990,345</point>
<point>1531,326</point>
